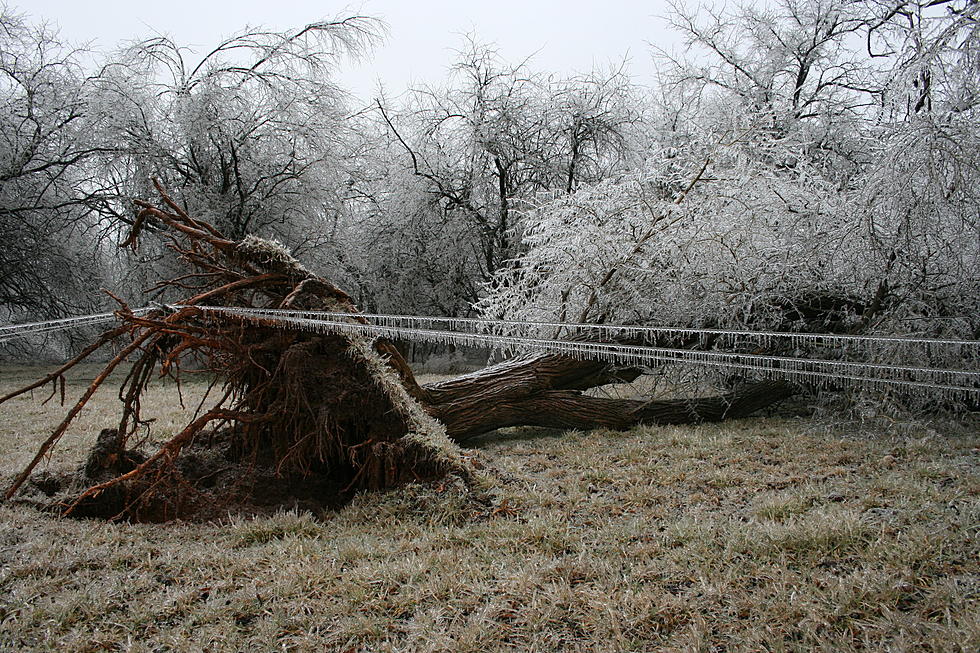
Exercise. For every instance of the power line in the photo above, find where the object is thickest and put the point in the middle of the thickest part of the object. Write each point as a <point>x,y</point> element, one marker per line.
<point>13,331</point>
<point>608,331</point>
<point>538,336</point>
<point>873,375</point>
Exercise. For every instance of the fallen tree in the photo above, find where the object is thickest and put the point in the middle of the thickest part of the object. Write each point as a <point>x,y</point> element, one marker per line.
<point>293,404</point>
<point>547,390</point>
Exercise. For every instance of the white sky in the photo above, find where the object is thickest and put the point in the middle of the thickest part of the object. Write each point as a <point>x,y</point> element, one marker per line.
<point>564,37</point>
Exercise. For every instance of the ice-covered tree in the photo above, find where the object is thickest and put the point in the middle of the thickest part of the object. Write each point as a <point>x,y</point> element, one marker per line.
<point>499,134</point>
<point>251,134</point>
<point>782,196</point>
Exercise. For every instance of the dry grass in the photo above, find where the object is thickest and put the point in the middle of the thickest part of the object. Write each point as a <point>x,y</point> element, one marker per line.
<point>765,534</point>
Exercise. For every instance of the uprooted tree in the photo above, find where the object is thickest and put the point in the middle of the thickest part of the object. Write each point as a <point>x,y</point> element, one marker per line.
<point>343,410</point>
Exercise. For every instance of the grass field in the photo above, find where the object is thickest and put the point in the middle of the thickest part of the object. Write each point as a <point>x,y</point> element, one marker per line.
<point>773,534</point>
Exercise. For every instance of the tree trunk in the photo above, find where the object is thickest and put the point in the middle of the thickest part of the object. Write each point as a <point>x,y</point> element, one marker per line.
<point>546,390</point>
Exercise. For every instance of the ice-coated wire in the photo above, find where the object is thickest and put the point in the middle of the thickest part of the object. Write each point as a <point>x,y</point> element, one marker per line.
<point>12,331</point>
<point>875,375</point>
<point>913,347</point>
<point>608,330</point>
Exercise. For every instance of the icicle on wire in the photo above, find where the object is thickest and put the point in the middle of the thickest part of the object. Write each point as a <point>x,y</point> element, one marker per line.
<point>385,329</point>
<point>948,381</point>
<point>897,348</point>
<point>608,331</point>
<point>12,331</point>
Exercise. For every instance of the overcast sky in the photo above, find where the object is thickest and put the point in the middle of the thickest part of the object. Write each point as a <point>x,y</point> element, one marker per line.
<point>564,36</point>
